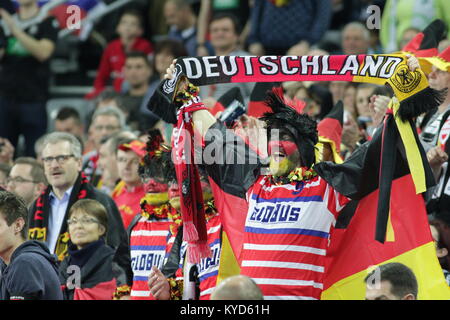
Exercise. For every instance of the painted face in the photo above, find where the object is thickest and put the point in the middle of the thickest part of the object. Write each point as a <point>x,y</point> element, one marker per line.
<point>84,229</point>
<point>206,188</point>
<point>156,190</point>
<point>174,195</point>
<point>283,152</point>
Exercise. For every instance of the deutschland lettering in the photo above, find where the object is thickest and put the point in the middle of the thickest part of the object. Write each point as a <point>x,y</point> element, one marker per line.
<point>380,66</point>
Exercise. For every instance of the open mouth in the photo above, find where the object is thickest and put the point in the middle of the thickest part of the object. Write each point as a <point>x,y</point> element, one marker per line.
<point>56,174</point>
<point>278,156</point>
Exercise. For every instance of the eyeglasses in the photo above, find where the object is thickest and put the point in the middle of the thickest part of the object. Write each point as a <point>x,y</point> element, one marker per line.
<point>84,221</point>
<point>107,127</point>
<point>60,159</point>
<point>18,180</point>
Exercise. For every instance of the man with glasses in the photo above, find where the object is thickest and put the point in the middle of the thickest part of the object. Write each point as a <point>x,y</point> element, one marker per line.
<point>105,122</point>
<point>27,179</point>
<point>61,156</point>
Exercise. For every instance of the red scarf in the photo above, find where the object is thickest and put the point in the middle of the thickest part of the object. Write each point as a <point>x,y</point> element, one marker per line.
<point>191,198</point>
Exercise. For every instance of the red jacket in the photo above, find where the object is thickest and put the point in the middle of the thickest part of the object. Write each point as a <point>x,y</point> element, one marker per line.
<point>112,62</point>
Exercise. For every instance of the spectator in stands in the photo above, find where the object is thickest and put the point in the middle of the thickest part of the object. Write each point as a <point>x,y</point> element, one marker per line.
<point>224,31</point>
<point>439,79</point>
<point>105,122</point>
<point>26,45</point>
<point>67,184</point>
<point>4,173</point>
<point>363,94</point>
<point>100,276</point>
<point>182,22</point>
<point>6,151</point>
<point>355,39</point>
<point>237,288</point>
<point>391,281</point>
<point>68,120</point>
<point>276,26</point>
<point>107,161</point>
<point>441,236</point>
<point>337,89</point>
<point>399,15</point>
<point>349,99</point>
<point>165,51</point>
<point>127,198</point>
<point>27,179</point>
<point>138,72</point>
<point>38,146</point>
<point>129,29</point>
<point>28,270</point>
<point>407,36</point>
<point>208,9</point>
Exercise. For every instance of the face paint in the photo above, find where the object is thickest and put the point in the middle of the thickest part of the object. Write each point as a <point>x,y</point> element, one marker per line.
<point>284,146</point>
<point>174,191</point>
<point>153,186</point>
<point>157,198</point>
<point>281,168</point>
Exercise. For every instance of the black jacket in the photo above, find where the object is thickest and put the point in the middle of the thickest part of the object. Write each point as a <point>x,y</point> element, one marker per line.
<point>99,274</point>
<point>32,274</point>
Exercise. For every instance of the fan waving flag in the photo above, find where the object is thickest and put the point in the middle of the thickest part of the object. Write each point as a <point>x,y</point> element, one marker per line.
<point>373,175</point>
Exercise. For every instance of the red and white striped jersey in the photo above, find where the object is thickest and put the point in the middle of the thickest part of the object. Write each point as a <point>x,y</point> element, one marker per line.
<point>208,268</point>
<point>287,235</point>
<point>149,245</point>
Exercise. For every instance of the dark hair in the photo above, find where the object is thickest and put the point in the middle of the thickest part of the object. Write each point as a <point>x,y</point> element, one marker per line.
<point>232,17</point>
<point>93,208</point>
<point>384,91</point>
<point>175,47</point>
<point>68,112</point>
<point>135,13</point>
<point>37,169</point>
<point>443,230</point>
<point>402,279</point>
<point>13,207</point>
<point>300,126</point>
<point>139,54</point>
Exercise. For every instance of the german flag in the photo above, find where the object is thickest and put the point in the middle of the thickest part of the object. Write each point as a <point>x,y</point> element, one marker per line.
<point>408,240</point>
<point>257,106</point>
<point>391,201</point>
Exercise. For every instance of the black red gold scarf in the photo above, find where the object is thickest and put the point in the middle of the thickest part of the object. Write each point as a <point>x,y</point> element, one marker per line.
<point>41,211</point>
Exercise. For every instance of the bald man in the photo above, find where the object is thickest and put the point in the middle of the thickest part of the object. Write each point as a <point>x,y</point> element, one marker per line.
<point>237,288</point>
